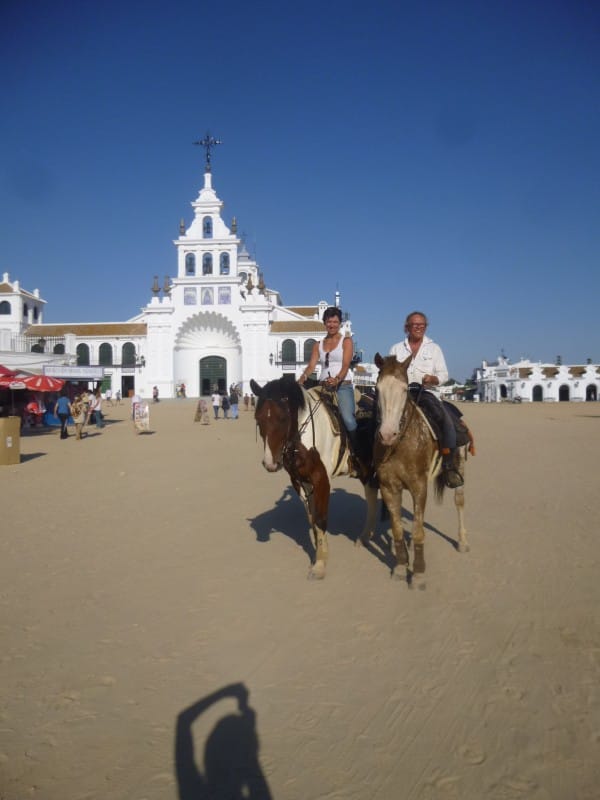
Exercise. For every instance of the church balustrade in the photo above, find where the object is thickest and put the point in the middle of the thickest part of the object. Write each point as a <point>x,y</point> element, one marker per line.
<point>52,345</point>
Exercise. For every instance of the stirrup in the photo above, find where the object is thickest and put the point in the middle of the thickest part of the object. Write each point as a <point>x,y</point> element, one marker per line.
<point>452,477</point>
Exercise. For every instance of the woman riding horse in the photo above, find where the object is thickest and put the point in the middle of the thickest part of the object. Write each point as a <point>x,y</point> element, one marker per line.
<point>335,352</point>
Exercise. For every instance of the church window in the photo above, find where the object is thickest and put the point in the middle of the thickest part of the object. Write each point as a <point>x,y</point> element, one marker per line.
<point>308,348</point>
<point>105,355</point>
<point>288,352</point>
<point>207,297</point>
<point>25,310</point>
<point>243,276</point>
<point>207,264</point>
<point>224,295</point>
<point>189,296</point>
<point>5,307</point>
<point>128,355</point>
<point>190,264</point>
<point>36,314</point>
<point>83,355</point>
<point>207,228</point>
<point>224,270</point>
<point>59,350</point>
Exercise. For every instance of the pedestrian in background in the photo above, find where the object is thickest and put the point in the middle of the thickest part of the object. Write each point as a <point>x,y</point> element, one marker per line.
<point>216,403</point>
<point>62,410</point>
<point>234,400</point>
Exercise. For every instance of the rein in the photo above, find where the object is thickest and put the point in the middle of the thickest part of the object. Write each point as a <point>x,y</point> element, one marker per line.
<point>291,445</point>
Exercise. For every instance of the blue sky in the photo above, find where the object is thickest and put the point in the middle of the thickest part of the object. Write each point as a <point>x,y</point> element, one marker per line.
<point>441,156</point>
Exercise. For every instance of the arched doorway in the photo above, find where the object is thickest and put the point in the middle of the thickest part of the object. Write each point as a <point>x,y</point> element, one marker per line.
<point>591,393</point>
<point>213,374</point>
<point>503,391</point>
<point>563,393</point>
<point>538,394</point>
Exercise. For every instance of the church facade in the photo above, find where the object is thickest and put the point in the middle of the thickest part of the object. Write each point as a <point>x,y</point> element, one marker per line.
<point>212,324</point>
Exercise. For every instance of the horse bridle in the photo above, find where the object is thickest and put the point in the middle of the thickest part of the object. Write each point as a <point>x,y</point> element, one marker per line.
<point>403,425</point>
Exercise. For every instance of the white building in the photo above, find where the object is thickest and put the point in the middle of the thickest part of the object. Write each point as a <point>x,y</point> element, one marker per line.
<point>529,381</point>
<point>212,325</point>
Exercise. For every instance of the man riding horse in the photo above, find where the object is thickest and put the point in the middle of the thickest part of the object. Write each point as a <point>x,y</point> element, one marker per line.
<point>427,370</point>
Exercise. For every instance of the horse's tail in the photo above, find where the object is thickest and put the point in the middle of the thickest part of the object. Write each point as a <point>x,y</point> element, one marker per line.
<point>438,486</point>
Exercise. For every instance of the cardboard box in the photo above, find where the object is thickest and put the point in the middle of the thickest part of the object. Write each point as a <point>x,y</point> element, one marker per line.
<point>10,440</point>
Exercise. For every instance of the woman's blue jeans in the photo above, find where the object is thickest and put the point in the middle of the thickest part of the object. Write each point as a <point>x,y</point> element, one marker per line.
<point>345,398</point>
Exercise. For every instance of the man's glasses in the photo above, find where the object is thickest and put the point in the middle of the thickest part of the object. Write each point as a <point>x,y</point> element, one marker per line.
<point>417,325</point>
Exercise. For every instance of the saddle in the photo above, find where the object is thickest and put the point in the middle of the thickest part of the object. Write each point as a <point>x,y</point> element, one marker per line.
<point>433,415</point>
<point>328,399</point>
<point>365,413</point>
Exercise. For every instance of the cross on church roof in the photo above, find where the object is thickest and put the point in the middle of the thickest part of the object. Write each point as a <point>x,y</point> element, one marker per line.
<point>208,142</point>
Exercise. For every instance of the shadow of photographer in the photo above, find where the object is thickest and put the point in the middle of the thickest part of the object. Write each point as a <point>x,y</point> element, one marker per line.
<point>231,766</point>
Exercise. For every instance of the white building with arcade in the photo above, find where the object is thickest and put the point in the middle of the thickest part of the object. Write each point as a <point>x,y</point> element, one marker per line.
<point>528,381</point>
<point>214,323</point>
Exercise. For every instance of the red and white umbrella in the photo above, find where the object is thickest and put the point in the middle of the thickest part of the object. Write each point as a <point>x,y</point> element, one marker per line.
<point>12,384</point>
<point>42,383</point>
<point>5,372</point>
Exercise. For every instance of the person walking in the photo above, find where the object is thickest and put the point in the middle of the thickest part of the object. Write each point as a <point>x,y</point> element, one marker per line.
<point>234,400</point>
<point>79,415</point>
<point>216,403</point>
<point>98,409</point>
<point>225,406</point>
<point>62,410</point>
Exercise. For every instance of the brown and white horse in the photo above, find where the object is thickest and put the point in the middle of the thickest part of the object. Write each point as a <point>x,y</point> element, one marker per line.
<point>406,456</point>
<point>298,435</point>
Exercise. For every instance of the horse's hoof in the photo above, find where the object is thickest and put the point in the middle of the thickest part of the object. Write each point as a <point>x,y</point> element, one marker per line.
<point>316,572</point>
<point>418,581</point>
<point>464,548</point>
<point>419,560</point>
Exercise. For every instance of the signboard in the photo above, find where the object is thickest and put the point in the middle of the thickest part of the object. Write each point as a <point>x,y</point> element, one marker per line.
<point>74,373</point>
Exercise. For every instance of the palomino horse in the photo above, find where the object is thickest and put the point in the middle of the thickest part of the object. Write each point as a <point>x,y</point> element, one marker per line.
<point>406,456</point>
<point>298,435</point>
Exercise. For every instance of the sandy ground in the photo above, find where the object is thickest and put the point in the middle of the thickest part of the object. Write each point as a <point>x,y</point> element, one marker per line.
<point>159,638</point>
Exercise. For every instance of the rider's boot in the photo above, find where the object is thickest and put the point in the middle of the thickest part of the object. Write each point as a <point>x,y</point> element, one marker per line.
<point>452,477</point>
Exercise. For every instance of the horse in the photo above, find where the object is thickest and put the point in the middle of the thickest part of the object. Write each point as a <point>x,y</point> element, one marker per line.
<point>406,456</point>
<point>299,435</point>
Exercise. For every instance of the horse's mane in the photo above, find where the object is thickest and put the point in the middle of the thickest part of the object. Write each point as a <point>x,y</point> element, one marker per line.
<point>389,365</point>
<point>284,388</point>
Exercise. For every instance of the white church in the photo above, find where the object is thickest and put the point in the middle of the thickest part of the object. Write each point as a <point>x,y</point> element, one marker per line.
<point>212,325</point>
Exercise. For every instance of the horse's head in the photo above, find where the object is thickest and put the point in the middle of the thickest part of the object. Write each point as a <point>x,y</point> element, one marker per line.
<point>276,415</point>
<point>392,389</point>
